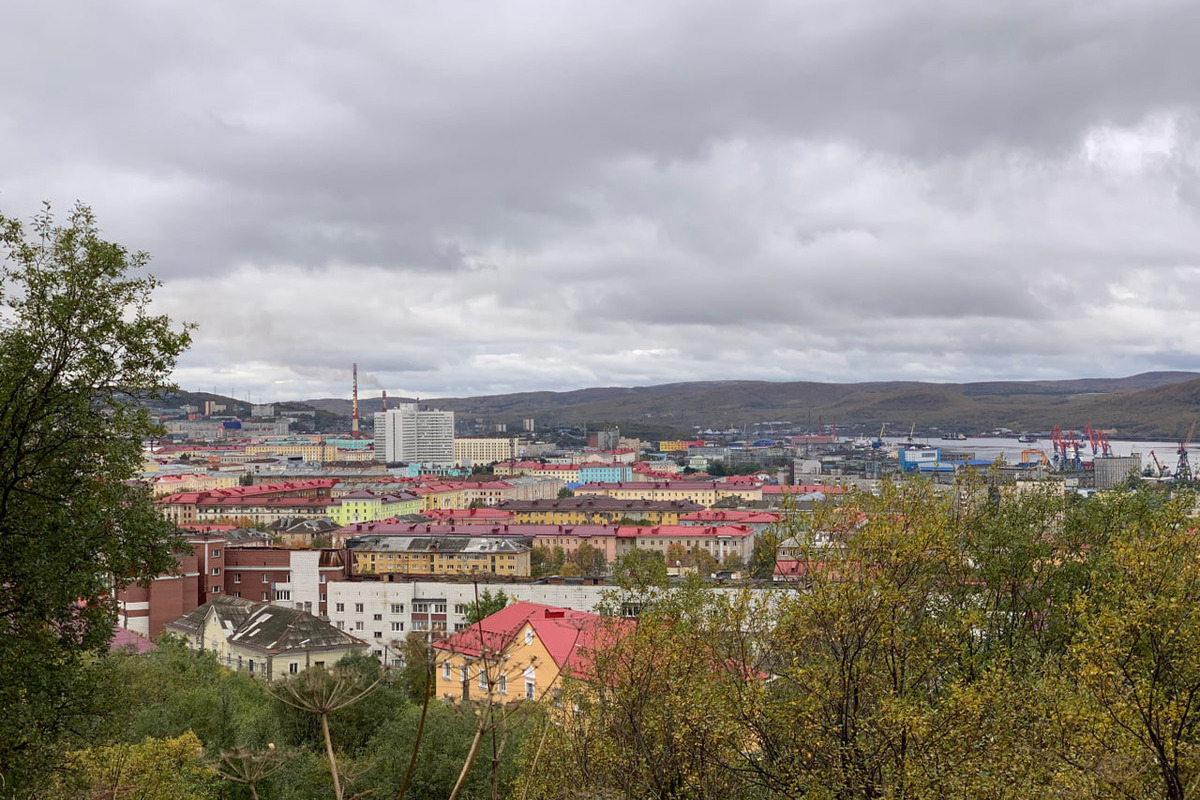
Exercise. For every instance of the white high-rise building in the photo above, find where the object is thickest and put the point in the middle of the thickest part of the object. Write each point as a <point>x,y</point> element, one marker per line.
<point>406,433</point>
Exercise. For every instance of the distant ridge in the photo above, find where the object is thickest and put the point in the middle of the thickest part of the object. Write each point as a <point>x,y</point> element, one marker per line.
<point>1151,404</point>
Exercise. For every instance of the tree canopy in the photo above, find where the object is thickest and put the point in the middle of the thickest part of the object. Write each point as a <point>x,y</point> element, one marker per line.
<point>79,347</point>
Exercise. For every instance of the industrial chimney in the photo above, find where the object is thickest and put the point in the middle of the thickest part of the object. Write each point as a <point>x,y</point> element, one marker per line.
<point>354,414</point>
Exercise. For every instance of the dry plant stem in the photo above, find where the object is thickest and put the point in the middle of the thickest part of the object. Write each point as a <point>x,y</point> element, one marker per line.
<point>537,754</point>
<point>462,776</point>
<point>333,770</point>
<point>412,762</point>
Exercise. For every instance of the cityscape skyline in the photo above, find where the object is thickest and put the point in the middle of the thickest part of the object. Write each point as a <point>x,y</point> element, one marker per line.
<point>478,199</point>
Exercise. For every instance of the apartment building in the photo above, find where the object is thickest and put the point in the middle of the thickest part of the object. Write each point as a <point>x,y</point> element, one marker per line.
<point>597,510</point>
<point>441,555</point>
<point>408,433</point>
<point>471,451</point>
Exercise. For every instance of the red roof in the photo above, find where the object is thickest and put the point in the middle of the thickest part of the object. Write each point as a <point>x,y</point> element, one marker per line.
<point>731,516</point>
<point>258,490</point>
<point>496,631</point>
<point>804,489</point>
<point>567,635</point>
<point>488,514</point>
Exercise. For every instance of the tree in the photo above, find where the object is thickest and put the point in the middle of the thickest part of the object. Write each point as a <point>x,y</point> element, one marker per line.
<point>564,493</point>
<point>156,769</point>
<point>590,559</point>
<point>78,349</point>
<point>485,606</point>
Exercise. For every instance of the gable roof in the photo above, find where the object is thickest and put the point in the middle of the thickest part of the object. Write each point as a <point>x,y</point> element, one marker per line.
<point>496,631</point>
<point>264,627</point>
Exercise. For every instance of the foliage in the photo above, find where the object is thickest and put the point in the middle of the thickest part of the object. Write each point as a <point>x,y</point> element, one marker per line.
<point>487,604</point>
<point>966,641</point>
<point>590,559</point>
<point>78,348</point>
<point>155,769</point>
<point>565,493</point>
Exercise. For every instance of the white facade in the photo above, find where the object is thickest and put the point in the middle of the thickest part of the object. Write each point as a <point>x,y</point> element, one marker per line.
<point>407,433</point>
<point>382,614</point>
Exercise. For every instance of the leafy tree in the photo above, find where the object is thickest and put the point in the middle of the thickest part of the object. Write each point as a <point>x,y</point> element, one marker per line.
<point>156,769</point>
<point>564,493</point>
<point>677,556</point>
<point>1138,655</point>
<point>78,348</point>
<point>485,606</point>
<point>590,559</point>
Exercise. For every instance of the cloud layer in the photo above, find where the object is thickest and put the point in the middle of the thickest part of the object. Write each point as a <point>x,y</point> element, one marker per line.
<point>471,198</point>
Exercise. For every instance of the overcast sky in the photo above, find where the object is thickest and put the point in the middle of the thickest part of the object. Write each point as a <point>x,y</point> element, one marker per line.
<point>476,198</point>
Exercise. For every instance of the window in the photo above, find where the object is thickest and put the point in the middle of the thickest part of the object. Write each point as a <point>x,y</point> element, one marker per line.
<point>503,683</point>
<point>252,666</point>
<point>378,634</point>
<point>420,625</point>
<point>265,597</point>
<point>266,578</point>
<point>237,594</point>
<point>460,626</point>
<point>397,626</point>
<point>216,590</point>
<point>215,554</point>
<point>439,625</point>
<point>483,679</point>
<point>293,668</point>
<point>216,570</point>
<point>358,626</point>
<point>378,617</point>
<point>529,636</point>
<point>465,674</point>
<point>530,688</point>
<point>322,597</point>
<point>445,670</point>
<point>341,626</point>
<point>339,606</point>
<point>283,594</point>
<point>439,608</point>
<point>420,608</point>
<point>322,579</point>
<point>458,608</point>
<point>237,577</point>
<point>358,608</point>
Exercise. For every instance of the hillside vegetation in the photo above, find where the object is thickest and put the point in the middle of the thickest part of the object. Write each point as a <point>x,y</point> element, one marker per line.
<point>1153,404</point>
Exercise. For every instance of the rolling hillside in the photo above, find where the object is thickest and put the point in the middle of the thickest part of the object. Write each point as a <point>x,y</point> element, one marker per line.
<point>1155,404</point>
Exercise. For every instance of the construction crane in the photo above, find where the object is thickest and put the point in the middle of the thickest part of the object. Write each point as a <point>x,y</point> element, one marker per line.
<point>1093,437</point>
<point>1183,470</point>
<point>878,443</point>
<point>1157,465</point>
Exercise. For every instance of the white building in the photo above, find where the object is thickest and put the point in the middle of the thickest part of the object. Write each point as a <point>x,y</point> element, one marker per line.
<point>469,451</point>
<point>382,613</point>
<point>406,433</point>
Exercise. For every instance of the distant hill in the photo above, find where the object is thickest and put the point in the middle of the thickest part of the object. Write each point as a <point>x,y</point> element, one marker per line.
<point>1151,404</point>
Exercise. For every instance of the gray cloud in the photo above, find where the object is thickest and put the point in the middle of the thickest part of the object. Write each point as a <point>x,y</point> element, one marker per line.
<point>469,198</point>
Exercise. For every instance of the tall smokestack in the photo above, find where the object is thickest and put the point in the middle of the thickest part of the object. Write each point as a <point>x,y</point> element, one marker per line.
<point>385,399</point>
<point>354,415</point>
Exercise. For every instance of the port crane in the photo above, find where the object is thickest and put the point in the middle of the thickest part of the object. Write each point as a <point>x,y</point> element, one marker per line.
<point>1183,470</point>
<point>1157,465</point>
<point>878,443</point>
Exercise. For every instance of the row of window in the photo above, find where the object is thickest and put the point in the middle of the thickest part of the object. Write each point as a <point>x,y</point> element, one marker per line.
<point>501,680</point>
